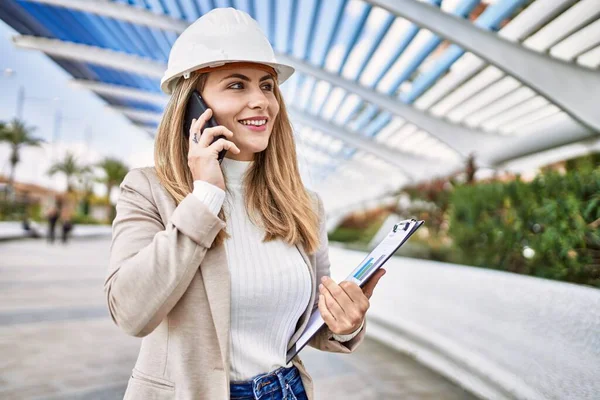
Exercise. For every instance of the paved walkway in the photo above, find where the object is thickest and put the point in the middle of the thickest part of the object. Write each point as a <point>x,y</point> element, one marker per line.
<point>58,342</point>
<point>12,230</point>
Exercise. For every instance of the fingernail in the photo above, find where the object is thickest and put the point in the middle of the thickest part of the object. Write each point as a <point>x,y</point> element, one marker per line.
<point>324,279</point>
<point>321,286</point>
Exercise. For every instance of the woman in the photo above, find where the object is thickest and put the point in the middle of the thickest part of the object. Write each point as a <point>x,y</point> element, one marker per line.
<point>217,266</point>
<point>66,216</point>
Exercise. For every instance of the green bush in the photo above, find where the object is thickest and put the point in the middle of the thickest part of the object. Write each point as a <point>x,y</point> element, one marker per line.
<point>35,212</point>
<point>355,235</point>
<point>345,235</point>
<point>11,210</point>
<point>491,225</point>
<point>423,249</point>
<point>82,219</point>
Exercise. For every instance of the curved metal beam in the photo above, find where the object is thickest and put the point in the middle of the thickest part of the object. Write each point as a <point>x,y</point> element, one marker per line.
<point>92,54</point>
<point>137,115</point>
<point>565,84</point>
<point>120,11</point>
<point>151,132</point>
<point>465,141</point>
<point>405,162</point>
<point>558,154</point>
<point>553,133</point>
<point>367,172</point>
<point>352,139</point>
<point>121,92</point>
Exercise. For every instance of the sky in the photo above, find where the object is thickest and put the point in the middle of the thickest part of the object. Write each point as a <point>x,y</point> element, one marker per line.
<point>108,132</point>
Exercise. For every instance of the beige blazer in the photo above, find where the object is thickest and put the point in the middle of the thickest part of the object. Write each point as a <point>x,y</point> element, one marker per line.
<point>164,284</point>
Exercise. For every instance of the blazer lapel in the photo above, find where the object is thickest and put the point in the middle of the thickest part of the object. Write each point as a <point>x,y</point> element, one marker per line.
<point>304,318</point>
<point>217,283</point>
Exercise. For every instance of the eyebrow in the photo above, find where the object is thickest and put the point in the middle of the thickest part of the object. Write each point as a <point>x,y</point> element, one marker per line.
<point>245,78</point>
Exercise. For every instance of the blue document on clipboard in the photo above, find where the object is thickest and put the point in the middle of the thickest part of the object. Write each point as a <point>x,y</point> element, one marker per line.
<point>397,236</point>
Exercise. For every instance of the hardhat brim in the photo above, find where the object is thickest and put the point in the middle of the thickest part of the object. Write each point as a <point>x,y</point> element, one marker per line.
<point>170,78</point>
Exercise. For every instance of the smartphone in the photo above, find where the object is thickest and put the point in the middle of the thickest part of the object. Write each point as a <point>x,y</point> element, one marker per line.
<point>196,107</point>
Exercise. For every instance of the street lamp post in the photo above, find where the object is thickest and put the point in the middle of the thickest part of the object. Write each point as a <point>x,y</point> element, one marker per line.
<point>9,73</point>
<point>58,118</point>
<point>20,101</point>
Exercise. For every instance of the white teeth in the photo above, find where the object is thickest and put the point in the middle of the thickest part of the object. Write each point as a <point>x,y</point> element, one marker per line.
<point>254,122</point>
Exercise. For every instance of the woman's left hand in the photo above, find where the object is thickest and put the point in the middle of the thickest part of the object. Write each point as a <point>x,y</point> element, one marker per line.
<point>343,307</point>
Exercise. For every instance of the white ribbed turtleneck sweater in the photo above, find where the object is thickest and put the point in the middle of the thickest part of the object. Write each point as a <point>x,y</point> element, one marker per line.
<point>270,282</point>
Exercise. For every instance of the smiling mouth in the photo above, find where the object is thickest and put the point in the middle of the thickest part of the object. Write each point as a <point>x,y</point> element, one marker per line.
<point>256,122</point>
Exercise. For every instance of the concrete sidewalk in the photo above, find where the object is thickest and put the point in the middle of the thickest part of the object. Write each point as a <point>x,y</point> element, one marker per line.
<point>57,340</point>
<point>11,230</point>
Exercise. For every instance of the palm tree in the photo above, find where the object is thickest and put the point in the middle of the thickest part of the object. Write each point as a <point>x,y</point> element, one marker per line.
<point>114,171</point>
<point>17,135</point>
<point>87,180</point>
<point>70,168</point>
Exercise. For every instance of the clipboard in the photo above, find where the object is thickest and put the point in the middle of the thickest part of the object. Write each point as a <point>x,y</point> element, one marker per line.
<point>397,236</point>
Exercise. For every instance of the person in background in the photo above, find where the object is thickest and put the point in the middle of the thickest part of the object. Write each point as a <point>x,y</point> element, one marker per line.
<point>67,224</point>
<point>52,216</point>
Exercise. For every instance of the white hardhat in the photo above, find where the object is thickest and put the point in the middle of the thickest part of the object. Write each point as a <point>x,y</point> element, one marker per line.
<point>224,35</point>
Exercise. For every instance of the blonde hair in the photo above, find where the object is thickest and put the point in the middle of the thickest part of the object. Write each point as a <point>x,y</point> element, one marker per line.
<point>274,194</point>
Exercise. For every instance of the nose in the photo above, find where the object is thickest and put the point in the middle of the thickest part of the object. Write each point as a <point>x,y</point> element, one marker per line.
<point>257,99</point>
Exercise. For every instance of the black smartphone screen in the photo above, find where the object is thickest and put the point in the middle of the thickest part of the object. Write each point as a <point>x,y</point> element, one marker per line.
<point>195,107</point>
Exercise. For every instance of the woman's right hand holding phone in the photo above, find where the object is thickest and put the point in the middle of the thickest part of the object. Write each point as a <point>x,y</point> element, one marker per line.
<point>203,156</point>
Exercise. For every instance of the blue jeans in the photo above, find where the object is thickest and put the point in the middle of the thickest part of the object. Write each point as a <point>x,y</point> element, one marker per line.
<point>281,384</point>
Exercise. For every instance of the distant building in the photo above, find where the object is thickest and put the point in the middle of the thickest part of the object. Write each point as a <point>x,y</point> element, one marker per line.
<point>33,194</point>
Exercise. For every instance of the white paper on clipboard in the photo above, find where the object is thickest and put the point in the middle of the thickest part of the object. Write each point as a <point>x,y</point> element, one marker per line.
<point>361,274</point>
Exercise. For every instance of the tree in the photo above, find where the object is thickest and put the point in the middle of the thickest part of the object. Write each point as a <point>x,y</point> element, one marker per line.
<point>470,169</point>
<point>17,135</point>
<point>70,168</point>
<point>114,171</point>
<point>87,179</point>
